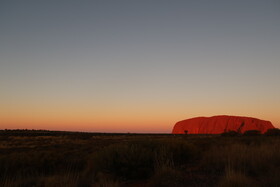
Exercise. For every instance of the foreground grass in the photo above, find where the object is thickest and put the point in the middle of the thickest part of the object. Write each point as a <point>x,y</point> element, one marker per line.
<point>64,159</point>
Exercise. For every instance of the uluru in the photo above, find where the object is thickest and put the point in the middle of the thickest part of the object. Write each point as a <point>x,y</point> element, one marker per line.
<point>220,124</point>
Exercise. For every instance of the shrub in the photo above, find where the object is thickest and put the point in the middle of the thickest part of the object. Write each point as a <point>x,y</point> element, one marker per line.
<point>252,133</point>
<point>257,161</point>
<point>230,133</point>
<point>103,180</point>
<point>139,159</point>
<point>166,177</point>
<point>126,161</point>
<point>272,132</point>
<point>181,152</point>
<point>234,179</point>
<point>69,180</point>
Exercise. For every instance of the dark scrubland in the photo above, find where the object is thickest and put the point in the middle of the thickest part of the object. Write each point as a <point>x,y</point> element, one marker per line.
<point>53,158</point>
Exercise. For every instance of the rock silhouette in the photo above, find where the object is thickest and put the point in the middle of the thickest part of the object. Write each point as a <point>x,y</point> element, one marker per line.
<point>220,124</point>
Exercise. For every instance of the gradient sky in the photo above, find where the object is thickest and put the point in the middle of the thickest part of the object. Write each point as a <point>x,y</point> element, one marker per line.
<point>137,65</point>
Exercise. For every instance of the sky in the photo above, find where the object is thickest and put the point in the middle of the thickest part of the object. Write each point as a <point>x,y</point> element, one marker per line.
<point>137,65</point>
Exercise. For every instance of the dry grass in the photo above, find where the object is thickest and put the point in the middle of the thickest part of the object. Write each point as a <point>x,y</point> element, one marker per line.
<point>125,160</point>
<point>244,163</point>
<point>234,178</point>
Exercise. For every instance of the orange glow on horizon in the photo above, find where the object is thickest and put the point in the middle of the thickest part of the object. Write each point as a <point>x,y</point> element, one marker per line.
<point>118,122</point>
<point>122,116</point>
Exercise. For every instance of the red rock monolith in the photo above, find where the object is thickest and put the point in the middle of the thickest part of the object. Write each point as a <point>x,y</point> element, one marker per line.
<point>220,124</point>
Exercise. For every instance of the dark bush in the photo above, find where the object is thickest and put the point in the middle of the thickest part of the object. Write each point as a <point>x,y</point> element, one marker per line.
<point>166,177</point>
<point>138,160</point>
<point>272,132</point>
<point>252,133</point>
<point>129,161</point>
<point>181,152</point>
<point>230,133</point>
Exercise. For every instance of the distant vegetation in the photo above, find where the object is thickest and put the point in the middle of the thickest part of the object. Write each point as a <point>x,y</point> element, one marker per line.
<point>273,132</point>
<point>48,158</point>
